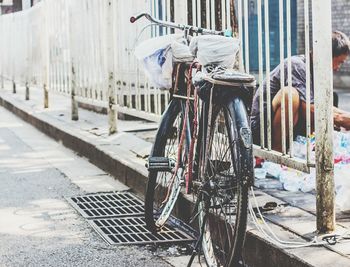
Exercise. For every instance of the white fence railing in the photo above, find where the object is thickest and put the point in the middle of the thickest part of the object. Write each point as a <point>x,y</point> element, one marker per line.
<point>84,48</point>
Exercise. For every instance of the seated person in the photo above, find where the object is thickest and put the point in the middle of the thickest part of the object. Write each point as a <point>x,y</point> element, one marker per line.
<point>340,50</point>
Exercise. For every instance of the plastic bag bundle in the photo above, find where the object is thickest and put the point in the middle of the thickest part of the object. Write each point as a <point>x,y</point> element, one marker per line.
<point>158,68</point>
<point>215,50</point>
<point>156,56</point>
<point>181,52</point>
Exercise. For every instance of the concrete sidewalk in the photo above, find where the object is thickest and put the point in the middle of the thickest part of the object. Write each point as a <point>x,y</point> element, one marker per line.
<point>123,155</point>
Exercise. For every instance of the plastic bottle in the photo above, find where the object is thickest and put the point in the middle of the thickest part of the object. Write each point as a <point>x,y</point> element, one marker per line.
<point>260,173</point>
<point>272,169</point>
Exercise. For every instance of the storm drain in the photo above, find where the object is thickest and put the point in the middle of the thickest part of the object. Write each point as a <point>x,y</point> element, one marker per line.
<point>132,231</point>
<point>118,218</point>
<point>103,205</point>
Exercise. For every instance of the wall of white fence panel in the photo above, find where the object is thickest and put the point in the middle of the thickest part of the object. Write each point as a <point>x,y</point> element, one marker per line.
<point>41,44</point>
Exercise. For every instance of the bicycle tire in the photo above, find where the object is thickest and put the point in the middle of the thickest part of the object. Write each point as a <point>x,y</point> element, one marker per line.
<point>223,204</point>
<point>165,145</point>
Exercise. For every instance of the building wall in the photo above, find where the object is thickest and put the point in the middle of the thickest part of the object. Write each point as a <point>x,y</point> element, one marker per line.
<point>341,22</point>
<point>16,6</point>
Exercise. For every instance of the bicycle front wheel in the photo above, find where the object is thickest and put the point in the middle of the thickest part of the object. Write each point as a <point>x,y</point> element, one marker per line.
<point>224,166</point>
<point>163,187</point>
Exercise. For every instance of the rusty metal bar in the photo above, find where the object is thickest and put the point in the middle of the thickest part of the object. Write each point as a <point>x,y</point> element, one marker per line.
<point>323,81</point>
<point>112,113</point>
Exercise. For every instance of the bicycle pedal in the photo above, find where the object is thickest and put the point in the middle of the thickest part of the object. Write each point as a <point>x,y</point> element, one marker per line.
<point>160,164</point>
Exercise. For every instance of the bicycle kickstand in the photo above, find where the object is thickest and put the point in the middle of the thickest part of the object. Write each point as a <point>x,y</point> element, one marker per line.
<point>199,241</point>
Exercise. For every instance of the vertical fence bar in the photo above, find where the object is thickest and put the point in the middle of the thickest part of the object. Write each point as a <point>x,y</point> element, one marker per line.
<point>290,93</point>
<point>228,15</point>
<point>323,81</point>
<point>27,48</point>
<point>12,48</point>
<point>308,79</point>
<point>208,13</point>
<point>283,101</point>
<point>199,13</point>
<point>223,15</point>
<point>48,20</point>
<point>194,12</point>
<point>246,36</point>
<point>267,66</point>
<point>240,34</point>
<point>46,47</point>
<point>60,33</point>
<point>212,14</point>
<point>261,93</point>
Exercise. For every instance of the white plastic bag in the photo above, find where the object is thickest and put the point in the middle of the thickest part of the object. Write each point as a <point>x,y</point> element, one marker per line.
<point>215,49</point>
<point>181,52</point>
<point>150,46</point>
<point>157,59</point>
<point>158,68</point>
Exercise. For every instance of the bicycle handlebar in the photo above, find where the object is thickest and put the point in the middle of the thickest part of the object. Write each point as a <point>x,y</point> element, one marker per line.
<point>174,25</point>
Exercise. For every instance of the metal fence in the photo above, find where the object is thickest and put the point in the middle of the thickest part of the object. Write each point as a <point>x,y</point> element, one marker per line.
<point>84,48</point>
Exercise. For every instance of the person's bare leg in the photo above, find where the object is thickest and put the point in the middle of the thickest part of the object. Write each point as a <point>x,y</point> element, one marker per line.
<point>276,120</point>
<point>303,115</point>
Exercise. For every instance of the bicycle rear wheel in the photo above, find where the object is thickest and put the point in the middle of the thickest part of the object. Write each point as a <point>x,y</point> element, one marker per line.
<point>163,187</point>
<point>223,202</point>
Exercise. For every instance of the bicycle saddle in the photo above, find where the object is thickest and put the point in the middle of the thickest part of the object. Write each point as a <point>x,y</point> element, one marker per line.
<point>230,75</point>
<point>226,77</point>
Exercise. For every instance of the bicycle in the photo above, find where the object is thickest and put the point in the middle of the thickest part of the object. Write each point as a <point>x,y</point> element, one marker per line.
<point>206,148</point>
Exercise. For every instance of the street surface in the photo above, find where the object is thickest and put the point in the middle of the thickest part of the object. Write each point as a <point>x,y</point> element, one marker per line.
<point>37,225</point>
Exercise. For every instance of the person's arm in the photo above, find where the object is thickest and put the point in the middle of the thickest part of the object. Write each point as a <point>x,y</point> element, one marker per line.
<point>341,118</point>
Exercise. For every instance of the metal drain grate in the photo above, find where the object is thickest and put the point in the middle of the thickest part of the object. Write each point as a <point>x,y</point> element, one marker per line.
<point>103,205</point>
<point>118,217</point>
<point>132,231</point>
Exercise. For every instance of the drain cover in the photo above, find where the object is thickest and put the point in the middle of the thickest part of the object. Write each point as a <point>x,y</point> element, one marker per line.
<point>118,217</point>
<point>132,231</point>
<point>104,205</point>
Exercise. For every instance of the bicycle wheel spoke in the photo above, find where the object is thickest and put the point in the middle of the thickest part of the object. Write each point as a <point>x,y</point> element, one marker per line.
<point>222,192</point>
<point>164,187</point>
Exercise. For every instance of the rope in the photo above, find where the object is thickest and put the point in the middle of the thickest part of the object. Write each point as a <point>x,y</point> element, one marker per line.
<point>272,237</point>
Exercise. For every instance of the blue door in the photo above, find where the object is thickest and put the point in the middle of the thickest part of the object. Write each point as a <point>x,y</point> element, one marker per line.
<point>274,32</point>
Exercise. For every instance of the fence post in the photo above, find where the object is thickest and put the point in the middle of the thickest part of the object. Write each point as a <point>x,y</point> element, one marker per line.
<point>74,103</point>
<point>323,84</point>
<point>13,86</point>
<point>112,112</point>
<point>46,47</point>
<point>75,115</point>
<point>12,52</point>
<point>27,90</point>
<point>27,47</point>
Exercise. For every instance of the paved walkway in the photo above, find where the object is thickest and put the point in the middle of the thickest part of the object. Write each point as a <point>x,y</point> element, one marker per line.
<point>38,227</point>
<point>124,153</point>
